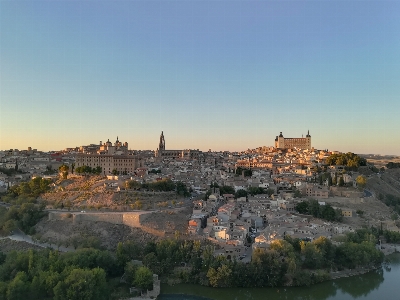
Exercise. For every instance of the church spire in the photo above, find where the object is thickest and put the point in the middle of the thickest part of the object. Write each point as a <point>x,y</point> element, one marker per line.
<point>161,145</point>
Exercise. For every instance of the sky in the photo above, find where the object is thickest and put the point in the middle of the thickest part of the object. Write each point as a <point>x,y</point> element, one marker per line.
<point>219,75</point>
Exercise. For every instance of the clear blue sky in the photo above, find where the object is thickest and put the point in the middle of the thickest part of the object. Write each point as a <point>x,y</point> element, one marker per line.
<point>220,75</point>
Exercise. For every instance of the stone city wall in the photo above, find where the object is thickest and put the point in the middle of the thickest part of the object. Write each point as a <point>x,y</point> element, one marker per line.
<point>59,216</point>
<point>131,219</point>
<point>114,218</point>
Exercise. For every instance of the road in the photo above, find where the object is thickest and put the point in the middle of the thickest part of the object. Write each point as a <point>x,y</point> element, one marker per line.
<point>22,237</point>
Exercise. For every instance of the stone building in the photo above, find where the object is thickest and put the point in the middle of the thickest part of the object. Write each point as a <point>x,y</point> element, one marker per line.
<point>122,163</point>
<point>290,143</point>
<point>109,157</point>
<point>106,148</point>
<point>162,153</point>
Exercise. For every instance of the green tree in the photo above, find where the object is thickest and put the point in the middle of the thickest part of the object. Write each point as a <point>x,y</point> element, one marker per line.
<point>130,271</point>
<point>220,277</point>
<point>328,212</point>
<point>313,257</point>
<point>143,278</point>
<point>314,208</point>
<point>18,287</point>
<point>9,226</point>
<point>240,193</point>
<point>82,284</point>
<point>132,184</point>
<point>181,189</point>
<point>302,207</point>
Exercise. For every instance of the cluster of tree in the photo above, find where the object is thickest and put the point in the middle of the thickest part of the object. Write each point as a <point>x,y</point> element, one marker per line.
<point>116,172</point>
<point>88,170</point>
<point>391,236</point>
<point>154,171</point>
<point>226,190</point>
<point>350,160</point>
<point>32,188</point>
<point>23,217</point>
<point>48,275</point>
<point>140,276</point>
<point>256,190</point>
<point>181,189</point>
<point>312,207</point>
<point>88,273</point>
<point>165,185</point>
<point>392,165</point>
<point>241,193</point>
<point>286,261</point>
<point>10,172</point>
<point>246,172</point>
<point>49,171</point>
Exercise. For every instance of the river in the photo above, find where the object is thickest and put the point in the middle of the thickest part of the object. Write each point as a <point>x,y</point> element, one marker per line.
<point>378,284</point>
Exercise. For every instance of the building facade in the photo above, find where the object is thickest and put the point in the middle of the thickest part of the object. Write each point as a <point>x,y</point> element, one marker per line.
<point>162,153</point>
<point>109,157</point>
<point>121,163</point>
<point>106,148</point>
<point>290,143</point>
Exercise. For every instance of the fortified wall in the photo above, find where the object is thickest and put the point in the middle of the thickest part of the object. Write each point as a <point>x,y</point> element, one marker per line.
<point>131,219</point>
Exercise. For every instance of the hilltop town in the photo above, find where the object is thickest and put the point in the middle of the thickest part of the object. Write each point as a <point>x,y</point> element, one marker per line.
<point>240,201</point>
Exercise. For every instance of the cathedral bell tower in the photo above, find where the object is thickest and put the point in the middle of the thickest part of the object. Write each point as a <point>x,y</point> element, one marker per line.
<point>161,145</point>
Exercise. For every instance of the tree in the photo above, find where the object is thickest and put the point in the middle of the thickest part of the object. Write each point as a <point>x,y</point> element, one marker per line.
<point>83,284</point>
<point>328,212</point>
<point>18,287</point>
<point>314,208</point>
<point>240,193</point>
<point>138,204</point>
<point>9,226</point>
<point>297,193</point>
<point>132,184</point>
<point>255,190</point>
<point>330,180</point>
<point>181,189</point>
<point>302,207</point>
<point>97,170</point>
<point>361,181</point>
<point>341,181</point>
<point>143,278</point>
<point>64,171</point>
<point>226,189</point>
<point>130,270</point>
<point>219,277</point>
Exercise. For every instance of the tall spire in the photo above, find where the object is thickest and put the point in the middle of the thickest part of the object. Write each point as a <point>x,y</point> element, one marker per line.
<point>161,145</point>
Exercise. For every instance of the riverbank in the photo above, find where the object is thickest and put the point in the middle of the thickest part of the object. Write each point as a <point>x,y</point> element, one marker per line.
<point>371,285</point>
<point>351,272</point>
<point>388,249</point>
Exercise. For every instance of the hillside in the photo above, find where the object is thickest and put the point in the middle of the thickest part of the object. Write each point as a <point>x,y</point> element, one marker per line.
<point>386,183</point>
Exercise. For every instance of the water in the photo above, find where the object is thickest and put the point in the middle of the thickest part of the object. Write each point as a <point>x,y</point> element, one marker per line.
<point>378,284</point>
